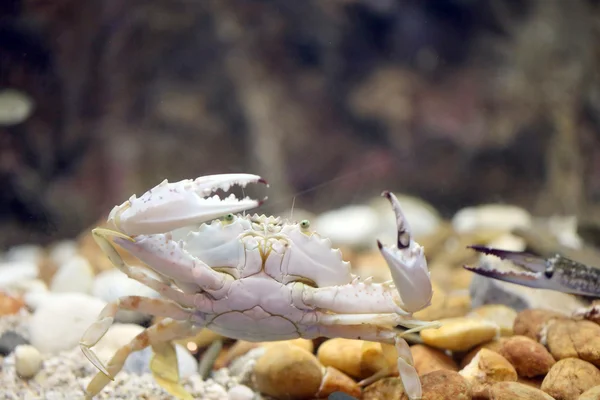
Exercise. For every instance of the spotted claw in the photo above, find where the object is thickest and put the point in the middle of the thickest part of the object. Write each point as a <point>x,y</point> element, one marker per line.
<point>555,273</point>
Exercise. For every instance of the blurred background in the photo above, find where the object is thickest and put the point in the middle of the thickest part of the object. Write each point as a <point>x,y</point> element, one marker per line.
<point>457,102</point>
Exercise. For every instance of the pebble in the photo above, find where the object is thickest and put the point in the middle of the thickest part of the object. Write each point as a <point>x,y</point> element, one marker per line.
<point>444,385</point>
<point>14,272</point>
<point>485,369</point>
<point>569,378</point>
<point>501,217</point>
<point>286,371</point>
<point>58,323</point>
<point>31,253</point>
<point>500,314</point>
<point>240,392</point>
<point>460,334</point>
<point>60,253</point>
<point>112,284</point>
<point>28,361</point>
<point>427,359</point>
<point>516,391</point>
<point>9,341</point>
<point>74,276</point>
<point>9,304</point>
<point>357,358</point>
<point>340,226</point>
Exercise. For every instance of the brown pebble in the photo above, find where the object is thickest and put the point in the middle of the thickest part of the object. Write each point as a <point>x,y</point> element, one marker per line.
<point>532,322</point>
<point>336,381</point>
<point>486,369</point>
<point>10,305</point>
<point>516,391</point>
<point>386,388</point>
<point>579,339</point>
<point>591,394</point>
<point>427,359</point>
<point>529,358</point>
<point>443,385</point>
<point>569,378</point>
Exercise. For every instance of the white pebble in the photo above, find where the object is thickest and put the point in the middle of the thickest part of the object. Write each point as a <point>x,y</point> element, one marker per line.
<point>353,226</point>
<point>14,272</point>
<point>77,275</point>
<point>31,253</point>
<point>240,392</point>
<point>502,217</point>
<point>61,319</point>
<point>112,284</point>
<point>28,361</point>
<point>63,251</point>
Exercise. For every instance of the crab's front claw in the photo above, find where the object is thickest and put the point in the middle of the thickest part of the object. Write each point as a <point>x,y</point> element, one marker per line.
<point>169,206</point>
<point>407,264</point>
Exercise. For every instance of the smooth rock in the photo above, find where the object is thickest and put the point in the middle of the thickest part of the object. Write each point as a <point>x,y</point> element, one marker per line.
<point>61,319</point>
<point>60,253</point>
<point>9,304</point>
<point>357,358</point>
<point>352,226</point>
<point>13,272</point>
<point>287,371</point>
<point>569,378</point>
<point>75,276</point>
<point>501,217</point>
<point>486,369</point>
<point>28,361</point>
<point>501,315</point>
<point>9,341</point>
<point>240,392</point>
<point>112,284</point>
<point>460,334</point>
<point>29,253</point>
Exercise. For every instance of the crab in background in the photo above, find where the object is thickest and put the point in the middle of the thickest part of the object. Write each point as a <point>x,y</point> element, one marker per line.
<point>250,277</point>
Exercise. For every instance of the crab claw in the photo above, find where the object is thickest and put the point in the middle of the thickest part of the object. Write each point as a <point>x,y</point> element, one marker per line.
<point>555,273</point>
<point>169,206</point>
<point>407,263</point>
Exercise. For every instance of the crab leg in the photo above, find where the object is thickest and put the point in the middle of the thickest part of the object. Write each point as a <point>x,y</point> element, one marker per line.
<point>98,329</point>
<point>165,331</point>
<point>169,206</point>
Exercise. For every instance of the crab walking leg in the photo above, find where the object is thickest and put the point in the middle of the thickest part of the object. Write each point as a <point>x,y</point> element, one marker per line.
<point>407,371</point>
<point>100,236</point>
<point>165,331</point>
<point>98,329</point>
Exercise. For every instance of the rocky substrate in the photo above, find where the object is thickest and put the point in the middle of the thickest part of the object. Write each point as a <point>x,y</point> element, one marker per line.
<point>496,340</point>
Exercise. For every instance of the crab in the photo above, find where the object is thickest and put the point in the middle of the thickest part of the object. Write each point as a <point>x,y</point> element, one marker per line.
<point>250,277</point>
<point>555,273</point>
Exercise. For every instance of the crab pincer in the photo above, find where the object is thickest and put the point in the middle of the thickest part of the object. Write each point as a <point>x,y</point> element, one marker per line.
<point>555,273</point>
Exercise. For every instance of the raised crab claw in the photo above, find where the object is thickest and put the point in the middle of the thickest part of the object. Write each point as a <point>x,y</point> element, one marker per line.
<point>555,273</point>
<point>250,277</point>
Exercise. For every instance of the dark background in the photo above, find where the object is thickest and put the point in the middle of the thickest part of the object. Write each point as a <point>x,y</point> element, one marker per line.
<point>456,101</point>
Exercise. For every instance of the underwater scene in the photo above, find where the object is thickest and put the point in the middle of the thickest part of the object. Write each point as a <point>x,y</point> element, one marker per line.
<point>300,199</point>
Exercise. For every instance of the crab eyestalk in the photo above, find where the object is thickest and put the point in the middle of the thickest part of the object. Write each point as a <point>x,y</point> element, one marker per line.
<point>407,263</point>
<point>169,206</point>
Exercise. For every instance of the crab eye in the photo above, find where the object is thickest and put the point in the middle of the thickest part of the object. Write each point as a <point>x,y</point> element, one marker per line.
<point>228,217</point>
<point>305,224</point>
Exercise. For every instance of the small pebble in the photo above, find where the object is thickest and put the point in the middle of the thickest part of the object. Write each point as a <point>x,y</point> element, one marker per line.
<point>9,305</point>
<point>75,276</point>
<point>60,321</point>
<point>460,334</point>
<point>9,341</point>
<point>240,392</point>
<point>31,253</point>
<point>28,361</point>
<point>14,272</point>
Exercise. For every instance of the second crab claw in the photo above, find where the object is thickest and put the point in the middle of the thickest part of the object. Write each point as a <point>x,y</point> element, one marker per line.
<point>407,263</point>
<point>555,273</point>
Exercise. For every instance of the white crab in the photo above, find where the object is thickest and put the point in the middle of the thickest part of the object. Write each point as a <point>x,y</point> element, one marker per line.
<point>251,277</point>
